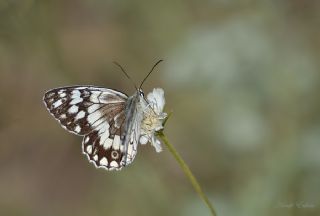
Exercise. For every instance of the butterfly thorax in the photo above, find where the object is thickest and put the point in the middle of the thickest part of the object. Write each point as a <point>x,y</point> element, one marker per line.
<point>133,106</point>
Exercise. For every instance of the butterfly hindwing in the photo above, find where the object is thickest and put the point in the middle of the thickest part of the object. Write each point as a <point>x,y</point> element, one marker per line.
<point>104,151</point>
<point>114,145</point>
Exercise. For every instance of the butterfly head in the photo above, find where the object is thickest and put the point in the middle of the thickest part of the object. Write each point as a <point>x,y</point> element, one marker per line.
<point>141,97</point>
<point>140,92</point>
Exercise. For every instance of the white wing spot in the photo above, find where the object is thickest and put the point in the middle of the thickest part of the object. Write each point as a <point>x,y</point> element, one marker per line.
<point>62,94</point>
<point>77,129</point>
<point>57,103</point>
<point>95,157</point>
<point>105,135</point>
<point>80,115</point>
<point>76,101</point>
<point>93,108</point>
<point>116,142</point>
<point>93,117</point>
<point>94,98</point>
<point>104,161</point>
<point>75,94</point>
<point>87,139</point>
<point>73,109</point>
<point>63,116</point>
<point>89,149</point>
<point>108,143</point>
<point>114,164</point>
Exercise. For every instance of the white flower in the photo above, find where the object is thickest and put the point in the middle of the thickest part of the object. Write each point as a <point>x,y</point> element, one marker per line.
<point>153,118</point>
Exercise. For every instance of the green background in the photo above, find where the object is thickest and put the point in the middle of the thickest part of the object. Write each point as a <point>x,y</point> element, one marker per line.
<point>241,77</point>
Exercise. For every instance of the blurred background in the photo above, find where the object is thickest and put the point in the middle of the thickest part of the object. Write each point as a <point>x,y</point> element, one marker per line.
<point>242,79</point>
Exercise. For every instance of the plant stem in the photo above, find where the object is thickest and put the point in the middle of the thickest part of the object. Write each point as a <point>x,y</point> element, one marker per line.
<point>187,171</point>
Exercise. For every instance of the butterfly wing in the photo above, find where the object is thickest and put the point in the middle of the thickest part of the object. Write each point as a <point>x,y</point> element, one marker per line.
<point>81,109</point>
<point>100,115</point>
<point>104,146</point>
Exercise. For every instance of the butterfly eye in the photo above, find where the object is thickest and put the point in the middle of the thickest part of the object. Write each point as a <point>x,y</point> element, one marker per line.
<point>141,93</point>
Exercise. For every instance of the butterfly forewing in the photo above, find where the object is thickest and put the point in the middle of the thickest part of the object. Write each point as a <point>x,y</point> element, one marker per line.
<point>81,109</point>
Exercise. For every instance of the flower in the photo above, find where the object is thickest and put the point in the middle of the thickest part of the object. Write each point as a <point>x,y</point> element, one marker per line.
<point>153,118</point>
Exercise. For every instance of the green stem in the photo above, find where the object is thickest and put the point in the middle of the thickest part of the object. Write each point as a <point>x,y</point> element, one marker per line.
<point>187,171</point>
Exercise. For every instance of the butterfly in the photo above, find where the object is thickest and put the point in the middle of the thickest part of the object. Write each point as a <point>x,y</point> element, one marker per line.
<point>109,121</point>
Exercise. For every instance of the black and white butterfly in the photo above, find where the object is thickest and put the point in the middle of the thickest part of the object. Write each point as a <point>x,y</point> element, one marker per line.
<point>108,120</point>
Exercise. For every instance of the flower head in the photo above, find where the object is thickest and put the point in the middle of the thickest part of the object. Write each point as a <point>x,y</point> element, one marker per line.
<point>153,118</point>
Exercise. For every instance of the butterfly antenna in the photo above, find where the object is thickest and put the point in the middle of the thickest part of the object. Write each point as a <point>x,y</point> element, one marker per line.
<point>155,65</point>
<point>125,73</point>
